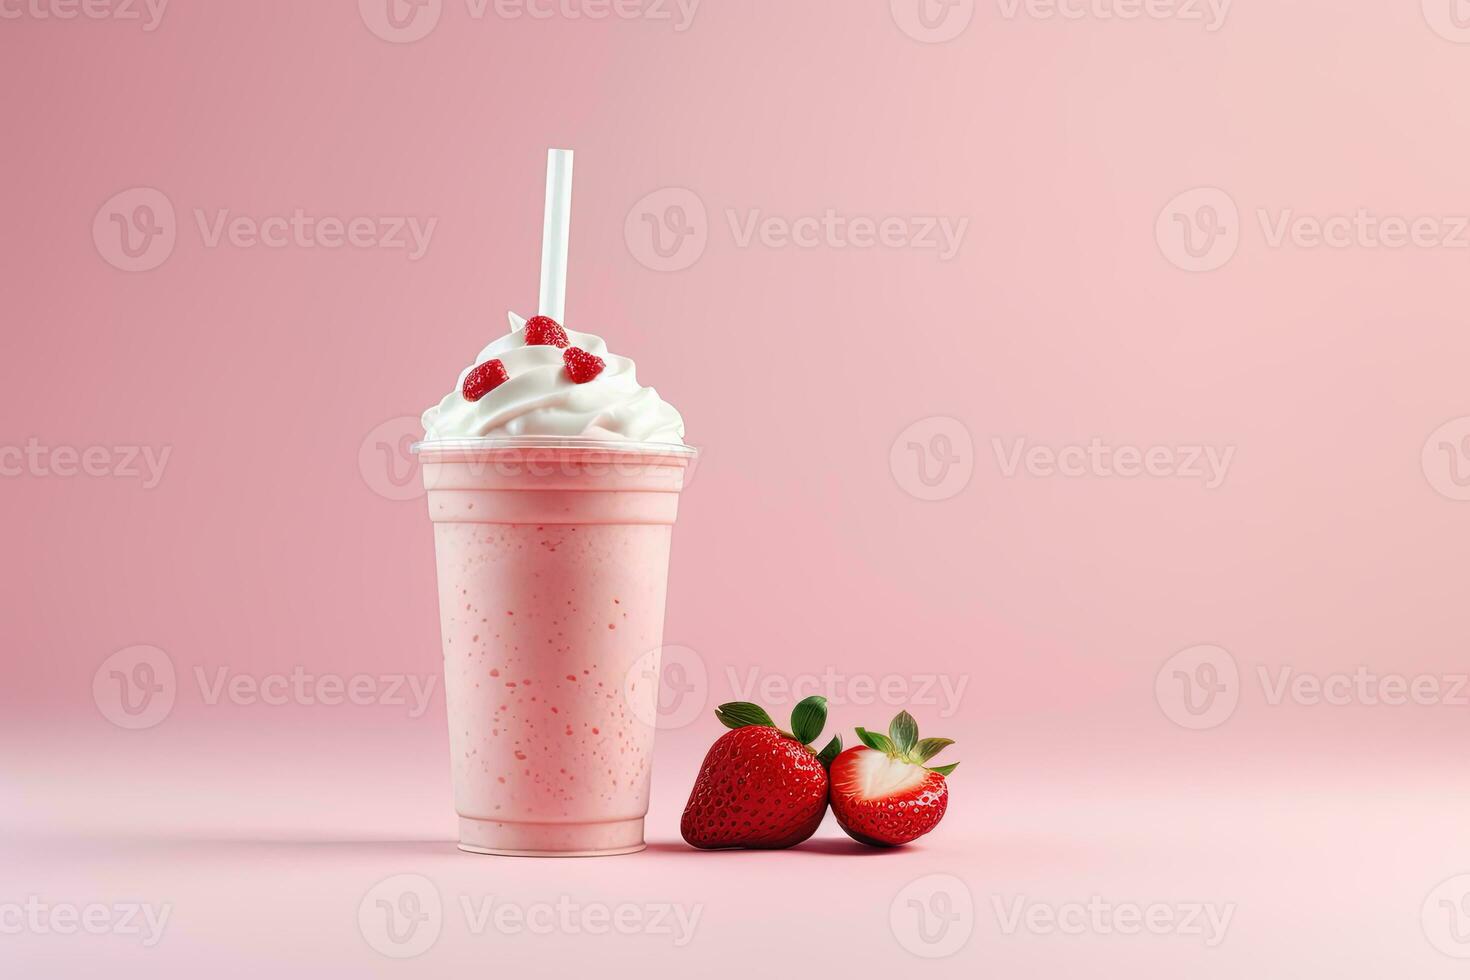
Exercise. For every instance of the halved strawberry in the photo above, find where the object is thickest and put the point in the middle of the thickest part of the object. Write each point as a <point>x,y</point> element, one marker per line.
<point>759,786</point>
<point>882,794</point>
<point>483,379</point>
<point>582,367</point>
<point>544,331</point>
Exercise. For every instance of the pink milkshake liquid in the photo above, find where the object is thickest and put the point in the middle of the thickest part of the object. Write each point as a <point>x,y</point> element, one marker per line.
<point>553,565</point>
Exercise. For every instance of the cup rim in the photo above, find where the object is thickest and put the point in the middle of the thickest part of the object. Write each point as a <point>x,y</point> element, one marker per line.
<point>503,443</point>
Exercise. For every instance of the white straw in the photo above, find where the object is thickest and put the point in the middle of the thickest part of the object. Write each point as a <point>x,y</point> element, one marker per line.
<point>555,234</point>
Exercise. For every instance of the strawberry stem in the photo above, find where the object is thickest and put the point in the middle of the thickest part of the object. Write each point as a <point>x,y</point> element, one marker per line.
<point>739,714</point>
<point>904,732</point>
<point>830,751</point>
<point>808,719</point>
<point>903,742</point>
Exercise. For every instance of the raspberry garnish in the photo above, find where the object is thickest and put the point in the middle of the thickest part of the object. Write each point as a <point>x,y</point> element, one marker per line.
<point>543,331</point>
<point>582,367</point>
<point>483,379</point>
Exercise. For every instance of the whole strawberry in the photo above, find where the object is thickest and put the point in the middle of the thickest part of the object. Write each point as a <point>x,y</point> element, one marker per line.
<point>882,794</point>
<point>760,786</point>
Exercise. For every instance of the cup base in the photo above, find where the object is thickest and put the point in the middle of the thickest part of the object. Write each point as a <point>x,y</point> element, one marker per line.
<point>611,852</point>
<point>516,839</point>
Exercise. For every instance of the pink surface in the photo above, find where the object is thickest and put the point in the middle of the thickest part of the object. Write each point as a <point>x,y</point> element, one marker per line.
<point>1121,434</point>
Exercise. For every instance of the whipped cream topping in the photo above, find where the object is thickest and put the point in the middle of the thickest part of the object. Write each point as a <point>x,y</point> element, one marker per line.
<point>541,400</point>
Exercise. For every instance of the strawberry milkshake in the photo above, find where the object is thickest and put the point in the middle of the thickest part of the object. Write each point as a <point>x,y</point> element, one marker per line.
<point>553,481</point>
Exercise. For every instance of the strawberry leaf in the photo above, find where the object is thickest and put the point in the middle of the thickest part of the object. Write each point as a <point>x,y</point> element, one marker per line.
<point>808,719</point>
<point>928,748</point>
<point>904,731</point>
<point>944,770</point>
<point>830,751</point>
<point>740,714</point>
<point>875,740</point>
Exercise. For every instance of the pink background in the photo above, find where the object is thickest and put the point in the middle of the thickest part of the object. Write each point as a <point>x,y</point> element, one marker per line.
<point>1064,317</point>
